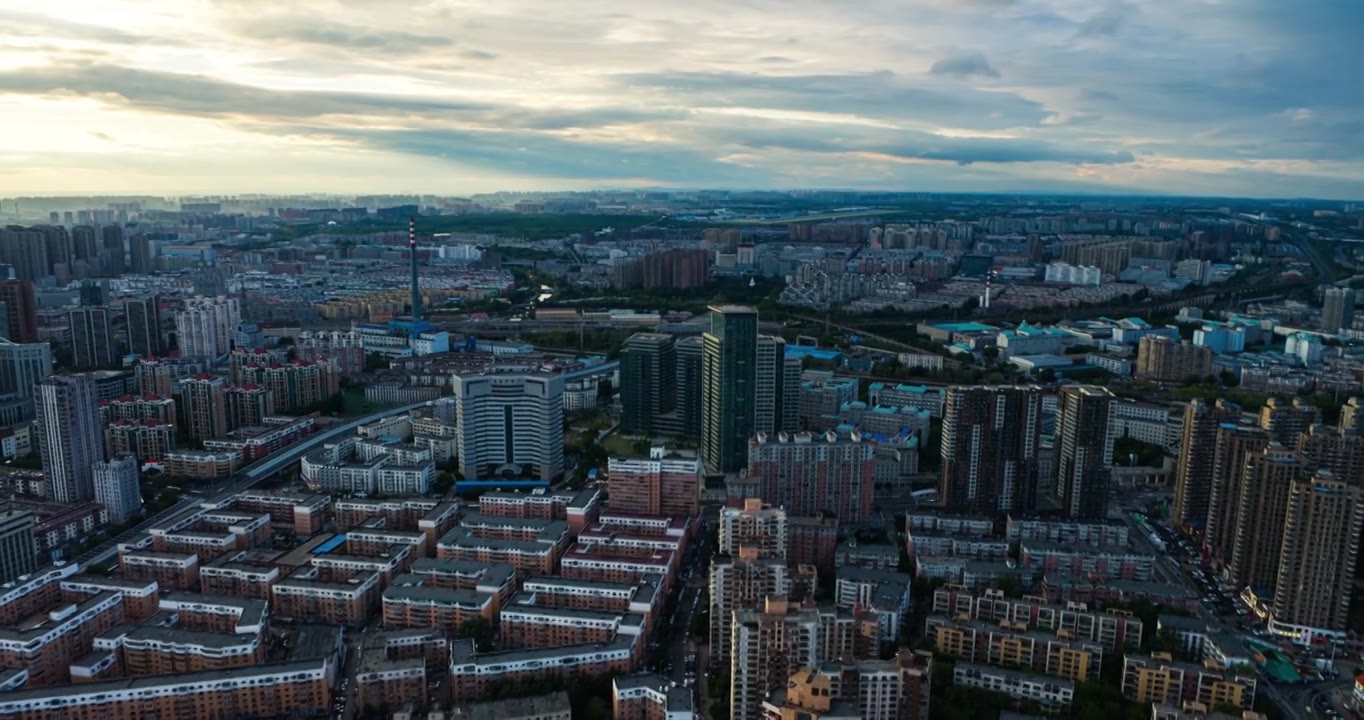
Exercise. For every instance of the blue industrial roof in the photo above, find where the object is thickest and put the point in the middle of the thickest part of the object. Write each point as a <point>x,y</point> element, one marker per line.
<point>330,545</point>
<point>798,351</point>
<point>964,327</point>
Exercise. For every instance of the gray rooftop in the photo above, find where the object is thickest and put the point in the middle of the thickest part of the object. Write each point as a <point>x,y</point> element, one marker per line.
<point>98,688</point>
<point>535,706</point>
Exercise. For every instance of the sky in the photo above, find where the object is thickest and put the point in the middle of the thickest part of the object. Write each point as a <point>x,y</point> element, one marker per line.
<point>1257,98</point>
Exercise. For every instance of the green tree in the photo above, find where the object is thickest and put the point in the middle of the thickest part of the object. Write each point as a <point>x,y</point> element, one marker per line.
<point>444,482</point>
<point>480,630</point>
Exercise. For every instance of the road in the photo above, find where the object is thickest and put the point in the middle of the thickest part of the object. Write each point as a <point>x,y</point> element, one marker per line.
<point>689,601</point>
<point>873,336</point>
<point>1325,267</point>
<point>245,479</point>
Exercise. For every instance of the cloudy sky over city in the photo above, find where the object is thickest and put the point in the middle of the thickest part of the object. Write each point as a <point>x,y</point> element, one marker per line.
<point>1211,97</point>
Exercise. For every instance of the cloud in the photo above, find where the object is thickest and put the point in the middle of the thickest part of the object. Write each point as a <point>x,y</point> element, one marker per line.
<point>1108,21</point>
<point>909,145</point>
<point>316,31</point>
<point>882,94</point>
<point>964,64</point>
<point>1252,96</point>
<point>201,95</point>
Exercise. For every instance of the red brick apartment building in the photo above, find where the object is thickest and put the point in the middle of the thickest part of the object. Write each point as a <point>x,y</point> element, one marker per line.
<point>472,673</point>
<point>528,557</point>
<point>496,579</point>
<point>379,541</point>
<point>581,563</point>
<point>410,604</point>
<point>392,666</point>
<point>218,614</point>
<point>172,571</point>
<point>142,650</point>
<point>333,598</point>
<point>530,626</point>
<point>658,485</point>
<point>578,509</point>
<point>307,513</point>
<point>642,598</point>
<point>273,690</point>
<point>139,597</point>
<point>46,626</point>
<point>228,575</point>
<point>650,697</point>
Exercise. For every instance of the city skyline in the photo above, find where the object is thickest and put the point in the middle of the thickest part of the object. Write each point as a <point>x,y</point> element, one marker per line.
<point>945,95</point>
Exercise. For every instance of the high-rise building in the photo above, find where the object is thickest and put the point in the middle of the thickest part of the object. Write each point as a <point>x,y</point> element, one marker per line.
<point>69,437</point>
<point>990,449</point>
<point>144,325</point>
<point>141,255</point>
<point>116,487</point>
<point>21,307</point>
<point>1161,359</point>
<point>729,375</point>
<point>18,553</point>
<point>23,366</point>
<point>769,645</point>
<point>509,424</point>
<point>1234,446</point>
<point>809,475</point>
<point>896,689</point>
<point>1193,479</point>
<point>295,385</point>
<point>92,339</point>
<point>1286,421</point>
<point>690,382</point>
<point>26,250</point>
<point>1082,476</point>
<point>776,389</point>
<point>203,407</point>
<point>749,566</point>
<point>1267,480</point>
<point>753,525</point>
<point>742,581</point>
<point>673,268</point>
<point>154,377</point>
<point>1321,448</point>
<point>115,257</point>
<point>657,486</point>
<point>1352,417</point>
<point>248,405</point>
<point>205,326</point>
<point>1338,309</point>
<point>648,381</point>
<point>1316,568</point>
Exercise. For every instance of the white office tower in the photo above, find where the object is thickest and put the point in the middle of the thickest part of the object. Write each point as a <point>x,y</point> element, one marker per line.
<point>23,366</point>
<point>205,327</point>
<point>510,425</point>
<point>69,438</point>
<point>116,488</point>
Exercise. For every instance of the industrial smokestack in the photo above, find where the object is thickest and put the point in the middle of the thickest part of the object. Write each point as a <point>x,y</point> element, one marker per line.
<point>416,292</point>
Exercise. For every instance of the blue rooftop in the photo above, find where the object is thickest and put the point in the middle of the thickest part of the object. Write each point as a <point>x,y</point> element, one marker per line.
<point>803,351</point>
<point>330,545</point>
<point>964,327</point>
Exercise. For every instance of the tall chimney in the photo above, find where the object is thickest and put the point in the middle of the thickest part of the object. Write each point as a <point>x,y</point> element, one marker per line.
<point>416,293</point>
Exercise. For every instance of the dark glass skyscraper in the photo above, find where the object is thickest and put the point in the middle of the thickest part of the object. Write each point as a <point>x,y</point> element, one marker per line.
<point>648,381</point>
<point>1081,434</point>
<point>728,378</point>
<point>989,449</point>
